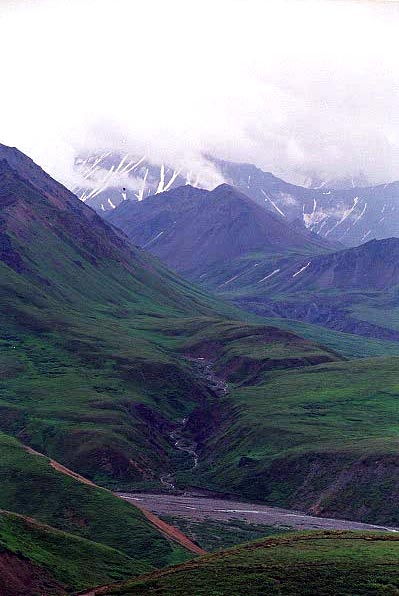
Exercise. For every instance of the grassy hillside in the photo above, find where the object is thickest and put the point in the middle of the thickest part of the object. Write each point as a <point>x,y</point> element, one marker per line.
<point>57,562</point>
<point>322,438</point>
<point>214,535</point>
<point>242,353</point>
<point>80,378</point>
<point>323,563</point>
<point>349,345</point>
<point>97,342</point>
<point>31,486</point>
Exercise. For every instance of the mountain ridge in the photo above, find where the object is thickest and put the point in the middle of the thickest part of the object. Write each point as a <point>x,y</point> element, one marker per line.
<point>106,357</point>
<point>195,230</point>
<point>348,215</point>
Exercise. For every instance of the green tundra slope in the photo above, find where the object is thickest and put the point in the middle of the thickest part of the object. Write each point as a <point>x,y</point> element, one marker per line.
<point>298,427</point>
<point>71,534</point>
<point>321,438</point>
<point>77,372</point>
<point>347,344</point>
<point>36,559</point>
<point>99,349</point>
<point>30,485</point>
<point>303,564</point>
<point>89,328</point>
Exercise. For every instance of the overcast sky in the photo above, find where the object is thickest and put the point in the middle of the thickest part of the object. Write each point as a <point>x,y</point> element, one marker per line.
<point>293,86</point>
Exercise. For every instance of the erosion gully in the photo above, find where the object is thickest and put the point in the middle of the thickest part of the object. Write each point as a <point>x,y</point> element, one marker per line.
<point>204,371</point>
<point>200,505</point>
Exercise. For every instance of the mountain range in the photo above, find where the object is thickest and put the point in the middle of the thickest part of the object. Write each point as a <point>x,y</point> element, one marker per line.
<point>107,356</point>
<point>201,233</point>
<point>229,244</point>
<point>350,215</point>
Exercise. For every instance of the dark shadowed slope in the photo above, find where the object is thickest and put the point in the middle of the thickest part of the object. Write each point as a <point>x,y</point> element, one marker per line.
<point>39,560</point>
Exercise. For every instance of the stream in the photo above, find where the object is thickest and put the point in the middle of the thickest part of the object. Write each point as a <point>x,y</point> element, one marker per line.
<point>180,442</point>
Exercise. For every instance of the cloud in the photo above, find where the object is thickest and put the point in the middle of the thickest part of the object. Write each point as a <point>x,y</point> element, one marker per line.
<point>295,87</point>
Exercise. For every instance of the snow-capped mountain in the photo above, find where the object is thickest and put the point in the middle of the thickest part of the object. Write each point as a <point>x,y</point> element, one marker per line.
<point>350,216</point>
<point>106,179</point>
<point>337,183</point>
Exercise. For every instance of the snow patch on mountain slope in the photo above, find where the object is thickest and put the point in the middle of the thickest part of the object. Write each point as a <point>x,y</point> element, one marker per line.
<point>273,203</point>
<point>269,275</point>
<point>302,269</point>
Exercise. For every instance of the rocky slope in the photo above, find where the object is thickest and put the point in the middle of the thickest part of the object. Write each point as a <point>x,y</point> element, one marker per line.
<point>350,216</point>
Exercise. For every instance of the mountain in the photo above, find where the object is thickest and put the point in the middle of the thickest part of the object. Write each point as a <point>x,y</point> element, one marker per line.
<point>348,212</point>
<point>207,235</point>
<point>349,216</point>
<point>232,246</point>
<point>106,357</point>
<point>70,289</point>
<point>339,563</point>
<point>353,290</point>
<point>93,366</point>
<point>371,266</point>
<point>107,179</point>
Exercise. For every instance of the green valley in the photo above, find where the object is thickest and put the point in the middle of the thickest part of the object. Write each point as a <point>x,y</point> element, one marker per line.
<point>106,357</point>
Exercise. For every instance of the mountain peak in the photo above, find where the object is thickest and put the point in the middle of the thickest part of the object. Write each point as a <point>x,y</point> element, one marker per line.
<point>224,187</point>
<point>208,229</point>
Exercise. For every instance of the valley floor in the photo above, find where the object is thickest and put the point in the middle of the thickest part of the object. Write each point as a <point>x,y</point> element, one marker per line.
<point>200,508</point>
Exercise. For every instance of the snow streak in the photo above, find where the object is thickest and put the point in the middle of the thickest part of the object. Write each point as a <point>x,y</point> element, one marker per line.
<point>346,214</point>
<point>267,276</point>
<point>301,269</point>
<point>272,202</point>
<point>153,239</point>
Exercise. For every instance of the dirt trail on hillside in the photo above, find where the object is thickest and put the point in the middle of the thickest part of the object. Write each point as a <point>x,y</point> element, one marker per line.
<point>60,468</point>
<point>167,530</point>
<point>170,531</point>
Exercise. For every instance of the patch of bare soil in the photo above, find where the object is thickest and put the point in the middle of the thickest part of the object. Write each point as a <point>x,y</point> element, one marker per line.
<point>21,577</point>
